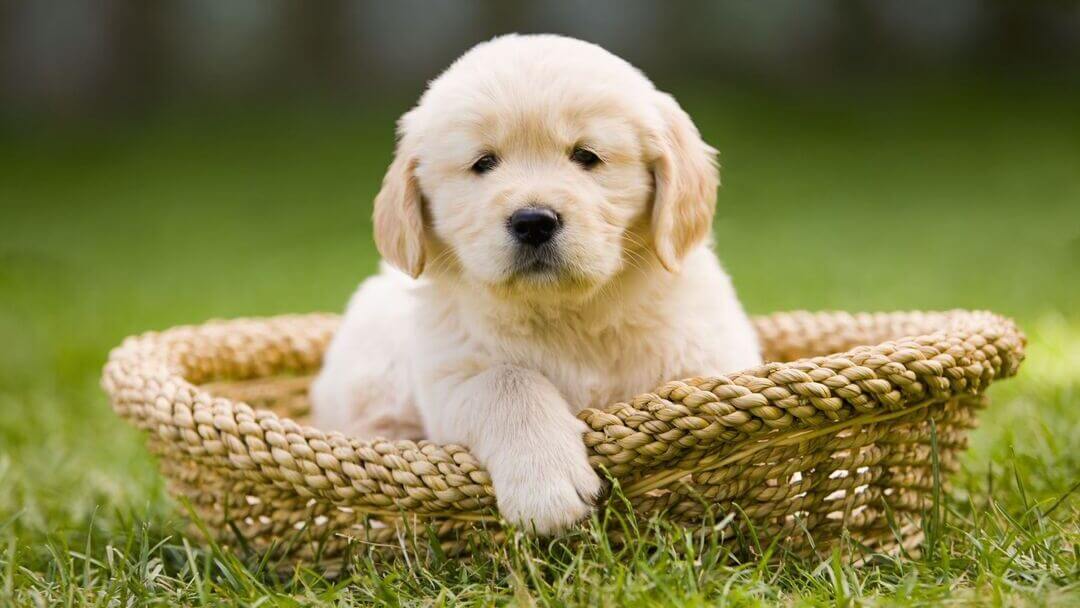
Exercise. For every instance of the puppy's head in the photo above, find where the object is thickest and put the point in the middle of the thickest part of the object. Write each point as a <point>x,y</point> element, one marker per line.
<point>543,164</point>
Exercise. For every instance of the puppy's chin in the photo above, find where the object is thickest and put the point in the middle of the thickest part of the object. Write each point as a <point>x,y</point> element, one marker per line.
<point>546,279</point>
<point>543,264</point>
<point>539,277</point>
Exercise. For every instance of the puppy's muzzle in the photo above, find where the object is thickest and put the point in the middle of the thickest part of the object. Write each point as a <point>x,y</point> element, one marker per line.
<point>534,226</point>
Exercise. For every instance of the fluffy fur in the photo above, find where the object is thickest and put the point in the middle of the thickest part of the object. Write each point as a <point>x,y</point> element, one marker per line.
<point>460,344</point>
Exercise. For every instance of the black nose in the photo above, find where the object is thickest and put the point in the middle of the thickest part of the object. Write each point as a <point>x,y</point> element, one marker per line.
<point>534,225</point>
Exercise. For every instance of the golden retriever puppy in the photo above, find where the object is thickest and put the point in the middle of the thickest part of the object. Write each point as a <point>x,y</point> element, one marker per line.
<point>547,215</point>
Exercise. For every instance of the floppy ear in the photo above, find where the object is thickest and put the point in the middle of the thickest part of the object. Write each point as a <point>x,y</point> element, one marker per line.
<point>686,178</point>
<point>399,217</point>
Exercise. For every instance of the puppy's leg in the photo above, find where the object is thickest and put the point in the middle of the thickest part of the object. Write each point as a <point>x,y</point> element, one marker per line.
<point>516,422</point>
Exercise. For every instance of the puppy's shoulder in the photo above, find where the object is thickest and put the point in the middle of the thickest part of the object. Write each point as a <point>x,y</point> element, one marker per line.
<point>705,285</point>
<point>715,323</point>
<point>390,290</point>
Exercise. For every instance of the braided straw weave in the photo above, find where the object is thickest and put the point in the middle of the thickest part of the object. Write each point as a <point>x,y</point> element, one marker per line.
<point>800,450</point>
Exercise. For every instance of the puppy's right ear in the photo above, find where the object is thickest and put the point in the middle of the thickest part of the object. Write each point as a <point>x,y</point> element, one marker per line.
<point>686,178</point>
<point>399,217</point>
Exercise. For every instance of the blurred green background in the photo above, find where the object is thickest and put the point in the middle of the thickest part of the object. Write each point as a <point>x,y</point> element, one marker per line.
<point>170,164</point>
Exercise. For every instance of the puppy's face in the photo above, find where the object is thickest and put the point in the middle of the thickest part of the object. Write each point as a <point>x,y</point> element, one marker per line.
<point>544,165</point>
<point>533,189</point>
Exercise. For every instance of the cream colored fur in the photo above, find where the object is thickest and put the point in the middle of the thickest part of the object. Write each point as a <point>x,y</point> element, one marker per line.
<point>458,346</point>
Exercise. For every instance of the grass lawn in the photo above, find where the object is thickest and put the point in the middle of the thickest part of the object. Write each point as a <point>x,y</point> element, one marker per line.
<point>957,196</point>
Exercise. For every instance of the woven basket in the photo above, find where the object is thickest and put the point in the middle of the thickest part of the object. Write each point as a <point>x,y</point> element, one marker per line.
<point>800,450</point>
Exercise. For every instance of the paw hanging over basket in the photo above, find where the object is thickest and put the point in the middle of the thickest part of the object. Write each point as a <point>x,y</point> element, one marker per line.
<point>802,449</point>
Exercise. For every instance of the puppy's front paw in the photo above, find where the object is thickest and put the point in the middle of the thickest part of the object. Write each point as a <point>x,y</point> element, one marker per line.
<point>546,488</point>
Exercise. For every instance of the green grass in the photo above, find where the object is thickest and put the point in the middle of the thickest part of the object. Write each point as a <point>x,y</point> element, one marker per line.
<point>962,196</point>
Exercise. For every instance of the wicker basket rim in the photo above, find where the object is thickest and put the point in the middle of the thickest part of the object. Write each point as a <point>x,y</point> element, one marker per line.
<point>155,354</point>
<point>937,355</point>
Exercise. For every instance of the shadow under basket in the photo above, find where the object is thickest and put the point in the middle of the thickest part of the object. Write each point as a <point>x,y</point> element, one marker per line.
<point>800,451</point>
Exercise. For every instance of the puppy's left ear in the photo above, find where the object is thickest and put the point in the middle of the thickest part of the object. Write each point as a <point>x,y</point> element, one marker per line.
<point>686,177</point>
<point>399,218</point>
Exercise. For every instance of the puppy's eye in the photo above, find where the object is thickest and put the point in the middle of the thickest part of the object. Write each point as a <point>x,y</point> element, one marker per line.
<point>586,158</point>
<point>484,164</point>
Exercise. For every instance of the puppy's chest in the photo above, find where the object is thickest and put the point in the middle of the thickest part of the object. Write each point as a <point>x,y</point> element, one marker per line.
<point>600,388</point>
<point>598,373</point>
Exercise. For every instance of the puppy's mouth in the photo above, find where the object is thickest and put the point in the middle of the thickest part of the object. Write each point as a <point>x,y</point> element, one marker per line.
<point>543,274</point>
<point>537,263</point>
